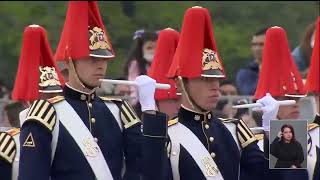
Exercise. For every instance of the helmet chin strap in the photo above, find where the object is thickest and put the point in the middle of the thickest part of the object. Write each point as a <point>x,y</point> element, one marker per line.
<point>193,104</point>
<point>74,72</point>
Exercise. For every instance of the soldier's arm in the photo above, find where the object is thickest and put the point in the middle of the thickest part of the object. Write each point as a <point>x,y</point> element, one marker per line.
<point>154,145</point>
<point>35,142</point>
<point>252,158</point>
<point>7,155</point>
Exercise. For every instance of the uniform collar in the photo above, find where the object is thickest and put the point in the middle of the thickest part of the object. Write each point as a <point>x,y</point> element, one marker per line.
<point>73,93</point>
<point>188,114</point>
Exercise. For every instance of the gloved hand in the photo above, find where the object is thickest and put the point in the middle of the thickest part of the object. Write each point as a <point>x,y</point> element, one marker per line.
<point>146,90</point>
<point>270,108</point>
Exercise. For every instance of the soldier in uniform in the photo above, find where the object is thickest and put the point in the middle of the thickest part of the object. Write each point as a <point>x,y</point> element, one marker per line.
<point>36,78</point>
<point>280,78</point>
<point>167,100</point>
<point>200,145</point>
<point>82,136</point>
<point>313,87</point>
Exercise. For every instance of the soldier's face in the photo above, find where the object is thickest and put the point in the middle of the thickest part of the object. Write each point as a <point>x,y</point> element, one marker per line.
<point>289,112</point>
<point>204,91</point>
<point>91,69</point>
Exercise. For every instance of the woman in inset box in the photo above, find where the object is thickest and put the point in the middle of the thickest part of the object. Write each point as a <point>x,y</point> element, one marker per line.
<point>287,149</point>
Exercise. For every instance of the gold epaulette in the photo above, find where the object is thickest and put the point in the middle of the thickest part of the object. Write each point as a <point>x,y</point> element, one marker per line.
<point>13,131</point>
<point>128,115</point>
<point>7,147</point>
<point>56,99</point>
<point>105,98</point>
<point>42,112</point>
<point>226,120</point>
<point>312,126</point>
<point>172,122</point>
<point>244,134</point>
<point>259,136</point>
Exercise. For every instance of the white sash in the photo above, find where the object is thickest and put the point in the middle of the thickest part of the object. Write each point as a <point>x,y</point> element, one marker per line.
<point>15,164</point>
<point>181,135</point>
<point>82,136</point>
<point>312,156</point>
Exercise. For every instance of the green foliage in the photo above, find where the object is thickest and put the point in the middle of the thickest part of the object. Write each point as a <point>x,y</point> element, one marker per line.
<point>233,22</point>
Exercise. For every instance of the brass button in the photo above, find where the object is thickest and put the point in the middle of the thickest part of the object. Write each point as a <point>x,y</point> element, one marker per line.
<point>92,96</point>
<point>209,116</point>
<point>211,139</point>
<point>90,105</point>
<point>196,117</point>
<point>213,154</point>
<point>93,120</point>
<point>206,126</point>
<point>83,97</point>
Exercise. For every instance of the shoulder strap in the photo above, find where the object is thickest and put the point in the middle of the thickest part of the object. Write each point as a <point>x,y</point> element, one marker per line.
<point>313,149</point>
<point>80,133</point>
<point>181,135</point>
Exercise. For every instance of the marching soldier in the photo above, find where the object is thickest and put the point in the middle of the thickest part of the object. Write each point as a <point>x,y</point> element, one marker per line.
<point>200,145</point>
<point>36,78</point>
<point>313,87</point>
<point>82,136</point>
<point>167,100</point>
<point>280,78</point>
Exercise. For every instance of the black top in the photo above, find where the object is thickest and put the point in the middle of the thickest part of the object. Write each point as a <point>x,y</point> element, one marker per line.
<point>288,154</point>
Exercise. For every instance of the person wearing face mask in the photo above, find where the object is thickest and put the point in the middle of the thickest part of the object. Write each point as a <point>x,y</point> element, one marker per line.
<point>139,61</point>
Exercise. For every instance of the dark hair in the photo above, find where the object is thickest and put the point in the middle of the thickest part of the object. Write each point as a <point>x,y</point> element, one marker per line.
<point>136,52</point>
<point>13,109</point>
<point>226,82</point>
<point>261,31</point>
<point>305,42</point>
<point>292,131</point>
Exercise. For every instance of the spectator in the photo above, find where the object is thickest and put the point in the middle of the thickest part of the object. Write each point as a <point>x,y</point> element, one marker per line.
<point>302,53</point>
<point>140,58</point>
<point>247,77</point>
<point>12,111</point>
<point>227,88</point>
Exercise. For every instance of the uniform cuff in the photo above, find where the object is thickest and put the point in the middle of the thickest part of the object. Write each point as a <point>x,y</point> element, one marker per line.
<point>155,125</point>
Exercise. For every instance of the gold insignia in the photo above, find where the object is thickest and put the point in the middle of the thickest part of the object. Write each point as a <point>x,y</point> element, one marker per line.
<point>48,77</point>
<point>210,60</point>
<point>98,39</point>
<point>259,136</point>
<point>43,112</point>
<point>91,147</point>
<point>172,122</point>
<point>197,117</point>
<point>128,116</point>
<point>312,126</point>
<point>56,99</point>
<point>104,98</point>
<point>7,147</point>
<point>211,169</point>
<point>244,134</point>
<point>29,142</point>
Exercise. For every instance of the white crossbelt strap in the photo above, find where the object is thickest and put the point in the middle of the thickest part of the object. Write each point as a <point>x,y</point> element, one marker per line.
<point>312,155</point>
<point>115,111</point>
<point>80,133</point>
<point>181,135</point>
<point>23,115</point>
<point>15,164</point>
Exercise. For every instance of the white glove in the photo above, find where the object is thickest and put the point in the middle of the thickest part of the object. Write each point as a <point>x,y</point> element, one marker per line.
<point>146,90</point>
<point>270,108</point>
